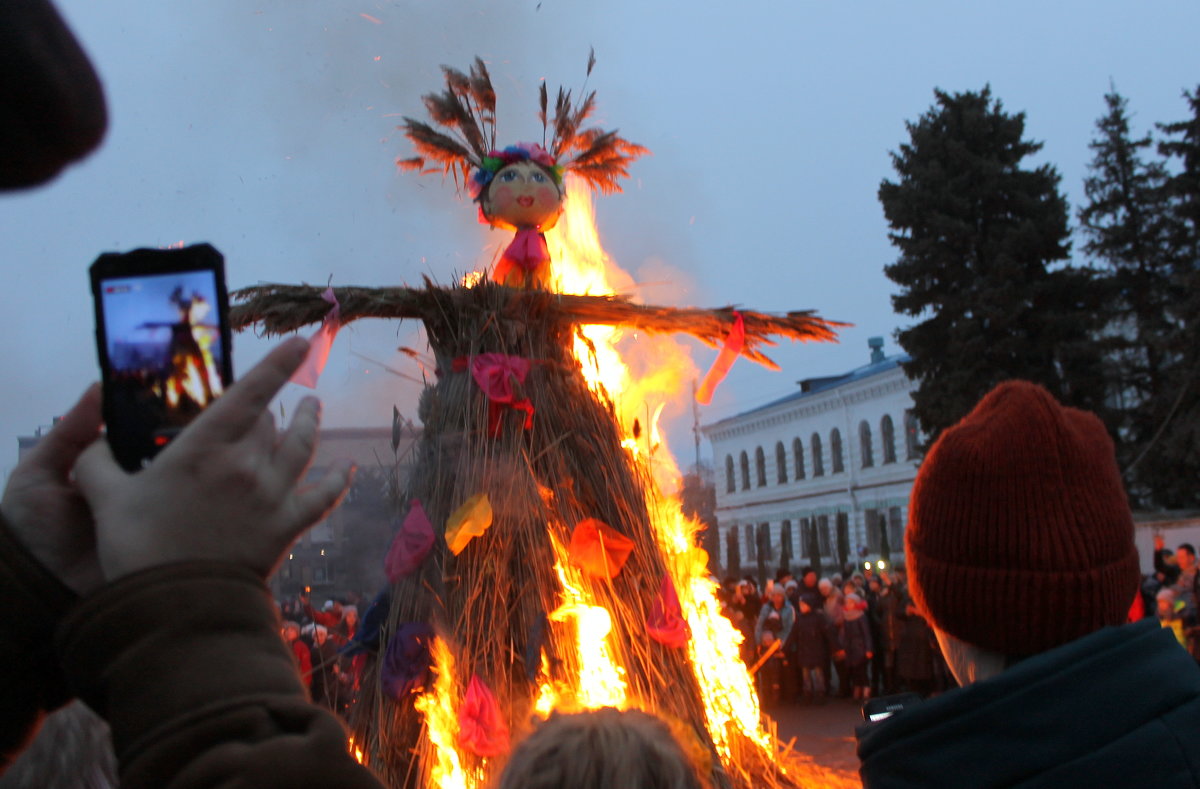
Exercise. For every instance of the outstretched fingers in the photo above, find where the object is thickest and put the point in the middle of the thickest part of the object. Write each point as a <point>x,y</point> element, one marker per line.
<point>299,442</point>
<point>236,412</point>
<point>313,502</point>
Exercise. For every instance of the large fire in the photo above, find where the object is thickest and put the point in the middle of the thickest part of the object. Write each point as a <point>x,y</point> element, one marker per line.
<point>582,266</point>
<point>639,379</point>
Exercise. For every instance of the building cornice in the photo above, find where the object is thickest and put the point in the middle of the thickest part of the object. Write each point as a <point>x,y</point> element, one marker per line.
<point>875,387</point>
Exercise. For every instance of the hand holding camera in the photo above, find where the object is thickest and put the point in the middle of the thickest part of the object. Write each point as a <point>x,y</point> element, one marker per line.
<point>228,489</point>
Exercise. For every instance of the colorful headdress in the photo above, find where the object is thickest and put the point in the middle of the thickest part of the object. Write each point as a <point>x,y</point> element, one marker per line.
<point>496,161</point>
<point>466,146</point>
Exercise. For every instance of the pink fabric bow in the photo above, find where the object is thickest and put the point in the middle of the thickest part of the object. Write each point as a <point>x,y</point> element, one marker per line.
<point>734,342</point>
<point>494,372</point>
<point>665,623</point>
<point>528,250</point>
<point>320,343</point>
<point>411,544</point>
<point>481,726</point>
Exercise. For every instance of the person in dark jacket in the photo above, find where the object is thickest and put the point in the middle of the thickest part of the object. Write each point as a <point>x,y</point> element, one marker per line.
<point>816,643</point>
<point>914,654</point>
<point>1055,689</point>
<point>856,640</point>
<point>887,626</point>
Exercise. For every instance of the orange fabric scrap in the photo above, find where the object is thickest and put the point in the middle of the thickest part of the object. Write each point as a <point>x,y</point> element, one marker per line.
<point>469,521</point>
<point>599,549</point>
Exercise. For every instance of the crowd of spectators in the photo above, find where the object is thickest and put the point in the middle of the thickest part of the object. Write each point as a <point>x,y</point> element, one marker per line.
<point>320,640</point>
<point>850,637</point>
<point>860,635</point>
<point>1171,594</point>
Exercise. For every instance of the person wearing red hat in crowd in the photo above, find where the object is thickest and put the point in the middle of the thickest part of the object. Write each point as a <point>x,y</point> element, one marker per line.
<point>300,651</point>
<point>1020,554</point>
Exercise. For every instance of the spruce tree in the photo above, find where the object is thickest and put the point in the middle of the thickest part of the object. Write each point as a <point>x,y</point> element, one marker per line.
<point>979,236</point>
<point>1125,224</point>
<point>1170,464</point>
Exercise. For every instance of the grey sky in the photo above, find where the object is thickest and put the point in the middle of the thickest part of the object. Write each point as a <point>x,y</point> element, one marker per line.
<point>267,128</point>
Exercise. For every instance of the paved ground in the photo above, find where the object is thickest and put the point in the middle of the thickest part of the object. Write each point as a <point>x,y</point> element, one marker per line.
<point>824,732</point>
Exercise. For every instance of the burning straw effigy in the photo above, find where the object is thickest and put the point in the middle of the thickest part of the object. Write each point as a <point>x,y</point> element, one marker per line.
<point>508,608</point>
<point>537,567</point>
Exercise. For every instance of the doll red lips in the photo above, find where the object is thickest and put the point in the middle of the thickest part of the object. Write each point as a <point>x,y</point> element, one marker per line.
<point>525,201</point>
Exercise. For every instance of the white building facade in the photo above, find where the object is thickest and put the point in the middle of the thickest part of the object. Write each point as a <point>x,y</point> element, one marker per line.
<point>821,473</point>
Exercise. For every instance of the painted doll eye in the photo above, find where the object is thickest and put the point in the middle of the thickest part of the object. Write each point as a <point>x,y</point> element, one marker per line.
<point>538,178</point>
<point>509,176</point>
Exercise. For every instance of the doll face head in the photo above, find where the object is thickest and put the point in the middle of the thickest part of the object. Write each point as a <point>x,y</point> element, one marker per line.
<point>522,195</point>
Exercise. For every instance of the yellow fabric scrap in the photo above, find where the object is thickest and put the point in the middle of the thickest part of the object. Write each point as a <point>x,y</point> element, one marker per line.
<point>469,521</point>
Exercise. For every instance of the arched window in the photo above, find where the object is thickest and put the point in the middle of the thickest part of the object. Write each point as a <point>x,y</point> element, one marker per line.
<point>730,480</point>
<point>744,462</point>
<point>797,459</point>
<point>780,463</point>
<point>835,451</point>
<point>818,461</point>
<point>864,444</point>
<point>910,436</point>
<point>760,467</point>
<point>887,436</point>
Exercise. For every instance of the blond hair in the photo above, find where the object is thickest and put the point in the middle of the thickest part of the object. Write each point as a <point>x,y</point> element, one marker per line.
<point>598,750</point>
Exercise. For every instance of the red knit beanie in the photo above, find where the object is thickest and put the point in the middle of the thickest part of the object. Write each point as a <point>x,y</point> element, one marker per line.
<point>1019,536</point>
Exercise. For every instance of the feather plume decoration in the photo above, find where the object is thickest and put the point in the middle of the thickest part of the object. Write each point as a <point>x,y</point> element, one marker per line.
<point>481,87</point>
<point>465,110</point>
<point>542,110</point>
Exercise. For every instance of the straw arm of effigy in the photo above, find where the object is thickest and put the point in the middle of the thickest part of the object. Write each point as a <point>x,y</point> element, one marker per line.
<point>283,308</point>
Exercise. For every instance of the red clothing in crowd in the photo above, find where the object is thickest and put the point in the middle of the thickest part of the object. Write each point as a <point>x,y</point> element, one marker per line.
<point>303,661</point>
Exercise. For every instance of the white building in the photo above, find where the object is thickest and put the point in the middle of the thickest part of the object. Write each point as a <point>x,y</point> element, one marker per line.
<point>831,464</point>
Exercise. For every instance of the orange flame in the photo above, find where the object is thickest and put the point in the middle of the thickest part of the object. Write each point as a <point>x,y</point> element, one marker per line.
<point>601,681</point>
<point>441,724</point>
<point>192,379</point>
<point>664,370</point>
<point>355,750</point>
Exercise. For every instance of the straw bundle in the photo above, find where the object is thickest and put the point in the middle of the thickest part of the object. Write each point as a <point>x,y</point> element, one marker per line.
<point>283,308</point>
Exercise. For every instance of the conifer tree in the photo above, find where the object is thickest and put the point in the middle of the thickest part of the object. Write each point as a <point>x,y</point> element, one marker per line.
<point>1170,464</point>
<point>979,236</point>
<point>1124,222</point>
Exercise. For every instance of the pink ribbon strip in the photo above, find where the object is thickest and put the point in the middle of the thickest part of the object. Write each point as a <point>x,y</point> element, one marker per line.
<point>319,344</point>
<point>734,343</point>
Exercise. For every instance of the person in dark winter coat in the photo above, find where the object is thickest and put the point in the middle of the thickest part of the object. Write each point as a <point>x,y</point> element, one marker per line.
<point>856,640</point>
<point>816,643</point>
<point>1056,689</point>
<point>887,625</point>
<point>914,656</point>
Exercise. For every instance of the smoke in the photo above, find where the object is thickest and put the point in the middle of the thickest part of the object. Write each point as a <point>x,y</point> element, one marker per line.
<point>325,86</point>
